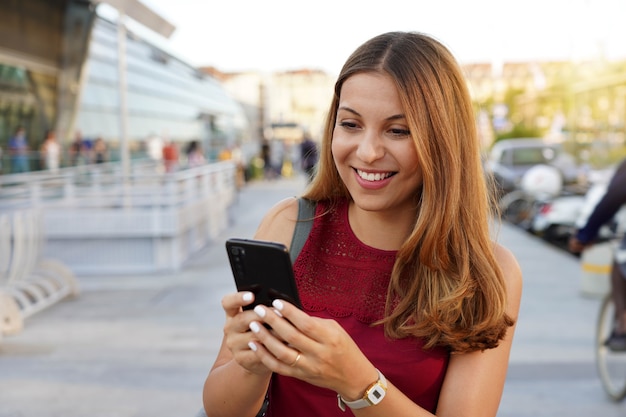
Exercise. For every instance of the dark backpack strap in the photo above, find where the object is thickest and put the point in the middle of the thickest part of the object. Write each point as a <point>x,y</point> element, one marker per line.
<point>306,212</point>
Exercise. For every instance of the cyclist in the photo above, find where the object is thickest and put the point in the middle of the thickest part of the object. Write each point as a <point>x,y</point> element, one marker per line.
<point>604,211</point>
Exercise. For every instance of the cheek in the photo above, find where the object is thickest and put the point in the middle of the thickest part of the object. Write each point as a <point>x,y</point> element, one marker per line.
<point>341,155</point>
<point>418,175</point>
<point>408,159</point>
<point>413,165</point>
<point>337,149</point>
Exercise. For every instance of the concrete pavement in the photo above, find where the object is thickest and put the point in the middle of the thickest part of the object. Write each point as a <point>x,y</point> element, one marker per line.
<point>552,369</point>
<point>133,346</point>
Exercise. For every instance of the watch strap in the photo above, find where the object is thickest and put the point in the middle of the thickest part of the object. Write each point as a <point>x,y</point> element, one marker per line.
<point>380,386</point>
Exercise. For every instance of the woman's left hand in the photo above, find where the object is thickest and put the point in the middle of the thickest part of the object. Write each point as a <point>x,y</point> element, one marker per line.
<point>315,350</point>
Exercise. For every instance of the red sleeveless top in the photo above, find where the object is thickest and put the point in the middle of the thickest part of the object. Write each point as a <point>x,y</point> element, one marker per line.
<point>340,278</point>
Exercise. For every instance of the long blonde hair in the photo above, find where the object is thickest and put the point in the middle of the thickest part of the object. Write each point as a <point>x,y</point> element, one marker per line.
<point>446,285</point>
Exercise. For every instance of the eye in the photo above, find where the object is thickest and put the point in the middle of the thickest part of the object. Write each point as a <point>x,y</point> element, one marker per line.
<point>348,125</point>
<point>399,132</point>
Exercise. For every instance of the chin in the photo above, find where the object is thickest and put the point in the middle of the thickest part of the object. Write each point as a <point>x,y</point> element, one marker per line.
<point>370,202</point>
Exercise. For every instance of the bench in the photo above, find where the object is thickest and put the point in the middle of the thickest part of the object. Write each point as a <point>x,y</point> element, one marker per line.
<point>29,283</point>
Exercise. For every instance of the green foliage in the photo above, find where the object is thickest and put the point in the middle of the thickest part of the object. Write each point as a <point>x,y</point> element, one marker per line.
<point>520,131</point>
<point>600,159</point>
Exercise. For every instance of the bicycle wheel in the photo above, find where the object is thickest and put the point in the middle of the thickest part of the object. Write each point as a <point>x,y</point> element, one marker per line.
<point>611,365</point>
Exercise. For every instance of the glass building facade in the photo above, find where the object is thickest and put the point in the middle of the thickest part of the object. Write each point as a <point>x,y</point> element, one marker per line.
<point>27,100</point>
<point>164,96</point>
<point>17,104</point>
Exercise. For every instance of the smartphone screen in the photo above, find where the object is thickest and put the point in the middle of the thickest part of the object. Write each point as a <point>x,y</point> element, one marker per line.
<point>263,268</point>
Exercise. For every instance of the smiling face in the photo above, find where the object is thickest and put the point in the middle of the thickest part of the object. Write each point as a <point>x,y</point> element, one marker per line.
<point>372,146</point>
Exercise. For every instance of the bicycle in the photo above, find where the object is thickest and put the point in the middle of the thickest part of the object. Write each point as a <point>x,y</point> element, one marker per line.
<point>610,364</point>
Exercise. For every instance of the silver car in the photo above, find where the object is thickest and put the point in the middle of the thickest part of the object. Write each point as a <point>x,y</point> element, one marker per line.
<point>510,159</point>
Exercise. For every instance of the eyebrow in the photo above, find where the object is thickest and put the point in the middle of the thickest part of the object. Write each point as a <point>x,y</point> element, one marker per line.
<point>356,113</point>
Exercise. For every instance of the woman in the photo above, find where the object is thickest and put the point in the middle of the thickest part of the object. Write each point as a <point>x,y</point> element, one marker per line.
<point>408,306</point>
<point>50,151</point>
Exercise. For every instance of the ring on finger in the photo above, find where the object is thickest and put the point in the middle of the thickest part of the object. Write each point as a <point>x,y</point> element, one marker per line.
<point>297,359</point>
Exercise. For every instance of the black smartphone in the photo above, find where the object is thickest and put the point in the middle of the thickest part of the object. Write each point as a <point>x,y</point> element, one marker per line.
<point>263,268</point>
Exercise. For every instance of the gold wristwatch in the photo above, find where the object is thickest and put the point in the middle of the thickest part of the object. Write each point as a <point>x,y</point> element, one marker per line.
<point>373,395</point>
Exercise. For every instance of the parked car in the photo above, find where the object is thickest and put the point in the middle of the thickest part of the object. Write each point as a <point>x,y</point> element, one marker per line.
<point>509,159</point>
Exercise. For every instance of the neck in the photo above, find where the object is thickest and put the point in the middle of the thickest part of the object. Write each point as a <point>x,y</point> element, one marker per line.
<point>385,230</point>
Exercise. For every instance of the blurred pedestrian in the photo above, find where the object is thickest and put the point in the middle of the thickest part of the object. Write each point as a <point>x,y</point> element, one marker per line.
<point>195,157</point>
<point>99,151</point>
<point>308,156</point>
<point>154,147</point>
<point>170,155</point>
<point>18,151</point>
<point>237,157</point>
<point>50,152</point>
<point>614,198</point>
<point>266,155</point>
<point>225,154</point>
<point>78,150</point>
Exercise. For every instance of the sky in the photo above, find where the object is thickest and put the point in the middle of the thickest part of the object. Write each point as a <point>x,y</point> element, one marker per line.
<point>281,35</point>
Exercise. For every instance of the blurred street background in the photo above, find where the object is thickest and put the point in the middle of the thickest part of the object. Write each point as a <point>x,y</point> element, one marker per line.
<point>136,136</point>
<point>141,344</point>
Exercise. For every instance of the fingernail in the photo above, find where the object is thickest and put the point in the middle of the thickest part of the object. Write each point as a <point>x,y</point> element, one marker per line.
<point>254,327</point>
<point>247,296</point>
<point>278,305</point>
<point>260,311</point>
<point>252,346</point>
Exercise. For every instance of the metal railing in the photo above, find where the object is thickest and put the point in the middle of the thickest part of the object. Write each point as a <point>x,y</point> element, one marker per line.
<point>98,220</point>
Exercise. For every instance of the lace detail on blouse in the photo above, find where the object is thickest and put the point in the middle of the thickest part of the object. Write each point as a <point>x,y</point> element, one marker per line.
<point>337,273</point>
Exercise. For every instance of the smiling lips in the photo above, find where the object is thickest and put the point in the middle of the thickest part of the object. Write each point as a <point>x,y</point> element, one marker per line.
<point>374,176</point>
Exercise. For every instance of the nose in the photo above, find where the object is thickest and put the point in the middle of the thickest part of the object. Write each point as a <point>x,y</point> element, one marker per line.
<point>370,148</point>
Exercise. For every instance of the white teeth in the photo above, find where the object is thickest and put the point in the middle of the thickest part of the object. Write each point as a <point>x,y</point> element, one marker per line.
<point>371,176</point>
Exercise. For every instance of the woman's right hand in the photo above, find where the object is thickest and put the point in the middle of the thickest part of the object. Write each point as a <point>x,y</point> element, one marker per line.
<point>237,334</point>
<point>238,381</point>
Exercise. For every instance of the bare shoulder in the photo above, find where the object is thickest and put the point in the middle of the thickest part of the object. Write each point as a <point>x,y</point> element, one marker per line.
<point>506,259</point>
<point>512,273</point>
<point>279,222</point>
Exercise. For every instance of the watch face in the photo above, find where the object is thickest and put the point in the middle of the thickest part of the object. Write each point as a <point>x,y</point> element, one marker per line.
<point>376,394</point>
